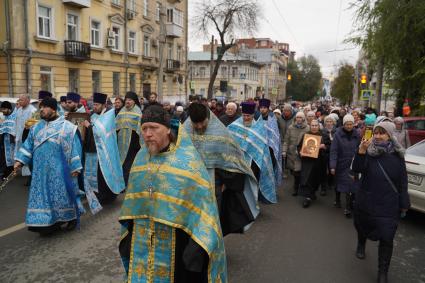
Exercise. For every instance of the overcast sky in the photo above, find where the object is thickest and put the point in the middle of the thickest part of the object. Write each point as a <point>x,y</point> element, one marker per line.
<point>309,26</point>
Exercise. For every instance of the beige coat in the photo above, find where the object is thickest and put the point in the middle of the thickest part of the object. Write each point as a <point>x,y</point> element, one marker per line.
<point>290,143</point>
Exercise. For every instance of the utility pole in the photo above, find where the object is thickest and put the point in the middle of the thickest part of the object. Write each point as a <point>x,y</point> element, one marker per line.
<point>379,83</point>
<point>162,40</point>
<point>210,91</point>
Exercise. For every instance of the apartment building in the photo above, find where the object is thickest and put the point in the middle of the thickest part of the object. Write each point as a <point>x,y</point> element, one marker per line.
<point>87,46</point>
<point>237,78</point>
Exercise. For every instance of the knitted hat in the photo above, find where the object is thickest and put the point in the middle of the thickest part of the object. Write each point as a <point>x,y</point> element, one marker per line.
<point>156,114</point>
<point>300,114</point>
<point>335,116</point>
<point>277,111</point>
<point>6,105</point>
<point>248,108</point>
<point>99,97</point>
<point>42,94</point>
<point>264,102</point>
<point>133,96</point>
<point>73,96</point>
<point>330,117</point>
<point>49,102</point>
<point>348,118</point>
<point>287,107</point>
<point>388,126</point>
<point>370,119</point>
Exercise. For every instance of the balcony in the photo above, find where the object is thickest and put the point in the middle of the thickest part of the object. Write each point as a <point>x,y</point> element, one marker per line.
<point>172,65</point>
<point>174,30</point>
<point>78,3</point>
<point>77,50</point>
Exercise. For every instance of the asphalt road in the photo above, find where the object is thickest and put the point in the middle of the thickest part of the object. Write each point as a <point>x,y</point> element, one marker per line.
<point>286,244</point>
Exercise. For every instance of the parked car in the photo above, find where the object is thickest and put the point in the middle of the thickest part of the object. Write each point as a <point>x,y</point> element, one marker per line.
<point>415,164</point>
<point>415,126</point>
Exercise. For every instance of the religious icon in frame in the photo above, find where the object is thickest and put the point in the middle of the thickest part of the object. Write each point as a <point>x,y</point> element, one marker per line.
<point>77,119</point>
<point>311,146</point>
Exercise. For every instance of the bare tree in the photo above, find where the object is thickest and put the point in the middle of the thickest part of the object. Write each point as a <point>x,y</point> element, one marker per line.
<point>227,18</point>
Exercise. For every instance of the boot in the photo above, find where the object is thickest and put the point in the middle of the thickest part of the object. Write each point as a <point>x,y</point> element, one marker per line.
<point>337,202</point>
<point>385,253</point>
<point>296,184</point>
<point>306,202</point>
<point>361,247</point>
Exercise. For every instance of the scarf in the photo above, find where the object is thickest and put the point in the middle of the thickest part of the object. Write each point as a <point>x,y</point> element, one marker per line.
<point>378,148</point>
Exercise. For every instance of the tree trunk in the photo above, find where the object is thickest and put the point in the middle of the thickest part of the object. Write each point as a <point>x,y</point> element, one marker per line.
<point>213,76</point>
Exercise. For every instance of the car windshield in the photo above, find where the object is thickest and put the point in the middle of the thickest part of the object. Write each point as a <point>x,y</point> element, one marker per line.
<point>418,149</point>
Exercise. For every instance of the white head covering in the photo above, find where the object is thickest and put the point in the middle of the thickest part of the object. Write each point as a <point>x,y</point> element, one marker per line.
<point>348,118</point>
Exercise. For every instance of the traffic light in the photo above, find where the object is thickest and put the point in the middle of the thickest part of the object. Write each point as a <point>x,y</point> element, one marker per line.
<point>363,79</point>
<point>223,86</point>
<point>289,77</point>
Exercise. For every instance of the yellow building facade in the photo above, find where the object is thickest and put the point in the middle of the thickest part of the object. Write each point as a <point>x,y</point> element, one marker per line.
<point>86,46</point>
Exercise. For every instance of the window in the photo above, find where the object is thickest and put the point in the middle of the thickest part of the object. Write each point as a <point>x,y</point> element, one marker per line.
<point>145,8</point>
<point>116,2</point>
<point>116,83</point>
<point>175,16</point>
<point>133,82</point>
<point>170,51</point>
<point>132,42</point>
<point>74,80</point>
<point>46,78</point>
<point>202,72</point>
<point>179,53</point>
<point>117,38</point>
<point>158,11</point>
<point>146,46</point>
<point>95,33</point>
<point>234,72</point>
<point>223,71</point>
<point>72,27</point>
<point>95,76</point>
<point>131,5</point>
<point>45,19</point>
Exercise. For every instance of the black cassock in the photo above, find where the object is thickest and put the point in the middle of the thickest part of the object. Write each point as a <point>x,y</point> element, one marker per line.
<point>105,195</point>
<point>131,155</point>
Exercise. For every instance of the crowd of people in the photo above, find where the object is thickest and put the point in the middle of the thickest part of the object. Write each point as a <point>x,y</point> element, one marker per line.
<point>192,174</point>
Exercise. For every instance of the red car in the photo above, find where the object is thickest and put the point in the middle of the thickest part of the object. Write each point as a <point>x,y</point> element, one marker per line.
<point>415,126</point>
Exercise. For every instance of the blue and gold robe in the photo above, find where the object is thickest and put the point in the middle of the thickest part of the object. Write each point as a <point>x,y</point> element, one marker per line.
<point>274,142</point>
<point>54,150</point>
<point>253,142</point>
<point>8,131</point>
<point>219,150</point>
<point>106,157</point>
<point>169,193</point>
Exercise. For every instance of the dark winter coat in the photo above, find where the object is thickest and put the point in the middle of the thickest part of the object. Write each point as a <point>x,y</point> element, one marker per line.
<point>313,170</point>
<point>284,124</point>
<point>344,147</point>
<point>378,205</point>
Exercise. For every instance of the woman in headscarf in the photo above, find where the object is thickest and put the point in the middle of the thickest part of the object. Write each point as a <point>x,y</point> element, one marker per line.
<point>400,133</point>
<point>292,138</point>
<point>382,197</point>
<point>313,170</point>
<point>329,131</point>
<point>343,149</point>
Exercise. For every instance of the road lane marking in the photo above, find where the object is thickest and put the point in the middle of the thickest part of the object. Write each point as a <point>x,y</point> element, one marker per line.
<point>12,229</point>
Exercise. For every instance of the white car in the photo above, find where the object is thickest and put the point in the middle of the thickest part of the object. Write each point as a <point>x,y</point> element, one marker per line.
<point>415,164</point>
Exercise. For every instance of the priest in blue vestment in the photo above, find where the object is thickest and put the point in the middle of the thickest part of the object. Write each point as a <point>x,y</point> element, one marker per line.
<point>7,139</point>
<point>170,223</point>
<point>251,136</point>
<point>273,137</point>
<point>54,149</point>
<point>236,188</point>
<point>128,130</point>
<point>103,177</point>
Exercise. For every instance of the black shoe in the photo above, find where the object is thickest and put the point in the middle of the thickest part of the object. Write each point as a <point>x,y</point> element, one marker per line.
<point>360,252</point>
<point>295,193</point>
<point>71,225</point>
<point>306,202</point>
<point>382,277</point>
<point>347,213</point>
<point>337,204</point>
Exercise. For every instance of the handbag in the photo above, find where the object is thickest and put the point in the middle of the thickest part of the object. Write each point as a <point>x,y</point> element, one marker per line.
<point>388,178</point>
